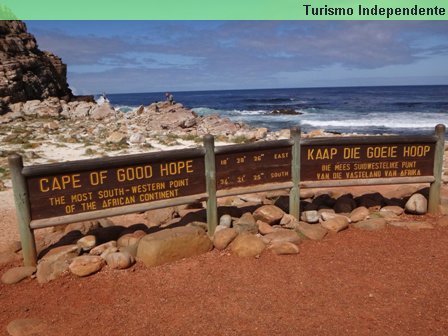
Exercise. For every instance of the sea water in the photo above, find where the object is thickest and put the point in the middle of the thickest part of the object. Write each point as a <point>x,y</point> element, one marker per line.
<point>364,110</point>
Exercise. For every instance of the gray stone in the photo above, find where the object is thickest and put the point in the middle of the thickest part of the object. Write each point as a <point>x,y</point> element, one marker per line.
<point>137,138</point>
<point>336,224</point>
<point>417,204</point>
<point>326,215</point>
<point>86,265</point>
<point>65,252</point>
<point>130,239</point>
<point>246,223</point>
<point>98,250</point>
<point>306,193</point>
<point>27,327</point>
<point>264,228</point>
<point>284,248</point>
<point>83,227</point>
<point>359,214</point>
<point>253,198</point>
<point>86,243</point>
<point>288,221</point>
<point>225,220</point>
<point>311,231</point>
<point>282,235</point>
<point>247,245</point>
<point>310,216</point>
<point>261,133</point>
<point>102,111</point>
<point>224,237</point>
<point>17,274</point>
<point>109,250</point>
<point>393,208</point>
<point>172,244</point>
<point>219,228</point>
<point>159,216</point>
<point>119,260</point>
<point>373,224</point>
<point>116,138</point>
<point>270,214</point>
<point>201,225</point>
<point>49,270</point>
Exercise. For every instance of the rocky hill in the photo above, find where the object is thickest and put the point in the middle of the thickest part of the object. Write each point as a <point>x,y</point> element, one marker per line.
<point>26,72</point>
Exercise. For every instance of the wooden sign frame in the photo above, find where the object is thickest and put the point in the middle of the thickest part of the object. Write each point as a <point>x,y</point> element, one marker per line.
<point>235,170</point>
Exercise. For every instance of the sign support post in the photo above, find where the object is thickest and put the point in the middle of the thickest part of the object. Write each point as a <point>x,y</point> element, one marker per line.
<point>210,181</point>
<point>294,196</point>
<point>434,190</point>
<point>23,210</point>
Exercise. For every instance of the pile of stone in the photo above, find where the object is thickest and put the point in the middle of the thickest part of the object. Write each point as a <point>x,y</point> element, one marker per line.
<point>249,225</point>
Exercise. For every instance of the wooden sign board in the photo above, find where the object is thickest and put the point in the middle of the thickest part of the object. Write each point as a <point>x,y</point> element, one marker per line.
<point>366,161</point>
<point>253,167</point>
<point>98,189</point>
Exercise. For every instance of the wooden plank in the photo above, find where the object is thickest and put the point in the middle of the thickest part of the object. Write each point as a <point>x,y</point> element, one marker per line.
<point>256,146</point>
<point>434,190</point>
<point>369,140</point>
<point>252,168</point>
<point>84,191</point>
<point>42,223</point>
<point>294,196</point>
<point>210,181</point>
<point>366,161</point>
<point>111,162</point>
<point>254,189</point>
<point>376,181</point>
<point>23,212</point>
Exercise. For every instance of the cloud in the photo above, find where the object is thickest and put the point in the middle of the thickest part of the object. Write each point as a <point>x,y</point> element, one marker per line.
<point>214,54</point>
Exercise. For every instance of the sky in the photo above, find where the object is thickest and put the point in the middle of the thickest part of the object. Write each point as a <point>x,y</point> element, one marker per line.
<point>158,56</point>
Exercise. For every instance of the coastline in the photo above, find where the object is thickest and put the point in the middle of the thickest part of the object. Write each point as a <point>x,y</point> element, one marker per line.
<point>88,130</point>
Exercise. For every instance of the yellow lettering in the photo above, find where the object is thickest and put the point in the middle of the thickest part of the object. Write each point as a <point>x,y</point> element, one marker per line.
<point>351,152</point>
<point>310,154</point>
<point>97,178</point>
<point>43,188</point>
<point>175,168</point>
<point>416,151</point>
<point>134,173</point>
<point>382,152</point>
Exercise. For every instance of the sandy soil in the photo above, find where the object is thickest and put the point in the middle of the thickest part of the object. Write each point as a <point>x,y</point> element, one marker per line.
<point>390,282</point>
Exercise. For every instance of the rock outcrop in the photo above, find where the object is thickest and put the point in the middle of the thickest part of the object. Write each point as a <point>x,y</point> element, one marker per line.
<point>26,72</point>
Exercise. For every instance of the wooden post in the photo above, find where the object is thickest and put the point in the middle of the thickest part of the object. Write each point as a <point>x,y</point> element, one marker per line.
<point>294,196</point>
<point>210,181</point>
<point>434,190</point>
<point>23,210</point>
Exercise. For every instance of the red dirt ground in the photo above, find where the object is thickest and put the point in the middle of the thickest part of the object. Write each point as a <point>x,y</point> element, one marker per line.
<point>391,282</point>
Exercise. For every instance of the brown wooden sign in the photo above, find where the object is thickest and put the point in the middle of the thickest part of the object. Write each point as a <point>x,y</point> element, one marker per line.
<point>366,161</point>
<point>91,190</point>
<point>254,167</point>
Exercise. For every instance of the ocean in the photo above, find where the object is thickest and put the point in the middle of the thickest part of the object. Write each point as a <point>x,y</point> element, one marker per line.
<point>398,110</point>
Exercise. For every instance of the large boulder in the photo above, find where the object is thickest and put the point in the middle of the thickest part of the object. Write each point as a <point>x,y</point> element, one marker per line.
<point>16,274</point>
<point>172,244</point>
<point>86,265</point>
<point>224,237</point>
<point>247,245</point>
<point>417,204</point>
<point>270,214</point>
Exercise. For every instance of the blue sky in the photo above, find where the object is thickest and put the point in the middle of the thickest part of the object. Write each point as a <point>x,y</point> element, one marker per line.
<point>157,56</point>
